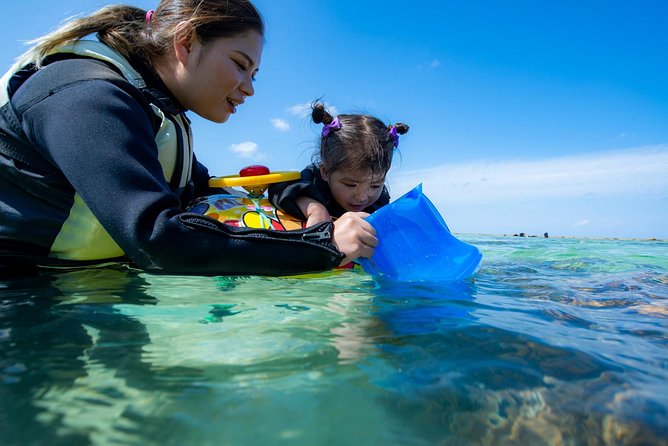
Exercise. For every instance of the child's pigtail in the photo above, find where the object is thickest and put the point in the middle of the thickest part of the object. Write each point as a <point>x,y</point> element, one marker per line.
<point>402,128</point>
<point>394,130</point>
<point>321,116</point>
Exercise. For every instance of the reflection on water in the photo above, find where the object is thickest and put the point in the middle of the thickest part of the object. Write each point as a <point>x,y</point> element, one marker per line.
<point>556,342</point>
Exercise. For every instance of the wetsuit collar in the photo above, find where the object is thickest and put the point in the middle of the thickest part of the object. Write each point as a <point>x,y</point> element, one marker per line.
<point>156,88</point>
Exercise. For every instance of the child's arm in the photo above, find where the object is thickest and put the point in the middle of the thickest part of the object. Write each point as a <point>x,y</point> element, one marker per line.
<point>313,210</point>
<point>285,196</point>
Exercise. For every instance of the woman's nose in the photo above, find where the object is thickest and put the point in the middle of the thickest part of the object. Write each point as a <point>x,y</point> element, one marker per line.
<point>247,87</point>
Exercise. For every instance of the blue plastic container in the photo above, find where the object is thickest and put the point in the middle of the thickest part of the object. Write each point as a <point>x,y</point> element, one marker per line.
<point>415,244</point>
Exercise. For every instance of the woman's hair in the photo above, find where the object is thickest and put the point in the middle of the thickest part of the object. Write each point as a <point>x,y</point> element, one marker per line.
<point>133,32</point>
<point>357,142</point>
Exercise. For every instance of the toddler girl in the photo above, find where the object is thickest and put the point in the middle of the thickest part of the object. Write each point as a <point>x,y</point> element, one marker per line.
<point>348,172</point>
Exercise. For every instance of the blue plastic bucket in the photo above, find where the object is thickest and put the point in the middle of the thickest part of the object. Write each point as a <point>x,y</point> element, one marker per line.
<point>415,244</point>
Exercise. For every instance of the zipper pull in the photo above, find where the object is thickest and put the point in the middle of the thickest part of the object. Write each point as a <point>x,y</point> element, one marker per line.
<point>319,235</point>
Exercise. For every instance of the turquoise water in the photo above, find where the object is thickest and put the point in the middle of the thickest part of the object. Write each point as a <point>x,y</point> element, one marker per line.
<point>557,341</point>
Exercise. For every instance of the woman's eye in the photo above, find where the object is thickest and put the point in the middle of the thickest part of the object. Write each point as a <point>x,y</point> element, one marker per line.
<point>244,68</point>
<point>241,66</point>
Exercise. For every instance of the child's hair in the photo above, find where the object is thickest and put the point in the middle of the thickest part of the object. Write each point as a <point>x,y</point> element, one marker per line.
<point>356,142</point>
<point>135,32</point>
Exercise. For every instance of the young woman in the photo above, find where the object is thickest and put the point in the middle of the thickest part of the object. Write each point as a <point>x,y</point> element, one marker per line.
<point>96,158</point>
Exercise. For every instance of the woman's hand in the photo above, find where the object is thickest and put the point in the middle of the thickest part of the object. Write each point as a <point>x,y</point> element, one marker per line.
<point>314,211</point>
<point>354,236</point>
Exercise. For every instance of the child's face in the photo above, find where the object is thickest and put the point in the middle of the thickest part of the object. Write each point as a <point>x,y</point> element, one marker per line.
<point>352,189</point>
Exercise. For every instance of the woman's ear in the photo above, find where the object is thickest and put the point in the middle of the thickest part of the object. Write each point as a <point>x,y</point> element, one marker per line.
<point>183,40</point>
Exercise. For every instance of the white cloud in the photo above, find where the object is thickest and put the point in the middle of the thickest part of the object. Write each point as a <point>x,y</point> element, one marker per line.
<point>300,110</point>
<point>434,63</point>
<point>246,149</point>
<point>304,110</point>
<point>627,173</point>
<point>280,124</point>
<point>584,222</point>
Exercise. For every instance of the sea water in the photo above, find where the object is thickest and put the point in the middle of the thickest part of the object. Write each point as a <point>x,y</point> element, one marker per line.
<point>556,341</point>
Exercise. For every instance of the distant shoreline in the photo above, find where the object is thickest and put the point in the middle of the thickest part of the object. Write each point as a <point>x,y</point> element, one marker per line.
<point>636,239</point>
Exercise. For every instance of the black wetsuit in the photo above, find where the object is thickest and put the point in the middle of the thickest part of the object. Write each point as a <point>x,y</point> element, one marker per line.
<point>95,137</point>
<point>312,185</point>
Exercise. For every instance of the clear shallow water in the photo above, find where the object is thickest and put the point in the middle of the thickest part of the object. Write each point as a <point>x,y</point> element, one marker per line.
<point>558,341</point>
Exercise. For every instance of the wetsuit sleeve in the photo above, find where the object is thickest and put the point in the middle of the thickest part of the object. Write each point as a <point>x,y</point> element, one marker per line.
<point>284,195</point>
<point>98,133</point>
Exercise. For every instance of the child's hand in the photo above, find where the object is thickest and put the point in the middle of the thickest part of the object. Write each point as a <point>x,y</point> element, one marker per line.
<point>354,236</point>
<point>314,211</point>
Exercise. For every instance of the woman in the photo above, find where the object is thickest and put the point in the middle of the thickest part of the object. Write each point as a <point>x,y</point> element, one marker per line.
<point>96,160</point>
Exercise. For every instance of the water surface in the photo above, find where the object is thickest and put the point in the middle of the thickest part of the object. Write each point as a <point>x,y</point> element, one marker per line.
<point>557,341</point>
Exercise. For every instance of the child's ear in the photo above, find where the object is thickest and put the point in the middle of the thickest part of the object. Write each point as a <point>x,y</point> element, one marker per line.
<point>323,173</point>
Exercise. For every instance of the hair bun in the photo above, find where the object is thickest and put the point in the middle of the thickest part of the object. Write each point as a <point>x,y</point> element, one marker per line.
<point>319,114</point>
<point>402,128</point>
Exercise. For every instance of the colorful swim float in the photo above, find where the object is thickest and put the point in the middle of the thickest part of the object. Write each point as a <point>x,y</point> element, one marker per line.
<point>250,209</point>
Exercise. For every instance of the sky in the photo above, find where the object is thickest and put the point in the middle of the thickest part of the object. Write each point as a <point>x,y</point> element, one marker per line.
<point>524,116</point>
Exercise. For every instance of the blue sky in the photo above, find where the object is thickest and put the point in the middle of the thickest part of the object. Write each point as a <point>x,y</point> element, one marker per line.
<point>525,116</point>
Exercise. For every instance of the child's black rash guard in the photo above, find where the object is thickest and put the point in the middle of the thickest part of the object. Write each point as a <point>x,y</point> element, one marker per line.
<point>96,139</point>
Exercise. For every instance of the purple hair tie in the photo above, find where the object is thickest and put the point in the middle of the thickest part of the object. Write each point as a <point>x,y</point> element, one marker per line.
<point>394,135</point>
<point>149,15</point>
<point>334,125</point>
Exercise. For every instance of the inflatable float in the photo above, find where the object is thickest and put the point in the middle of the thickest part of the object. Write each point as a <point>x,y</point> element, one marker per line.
<point>250,209</point>
<point>415,243</point>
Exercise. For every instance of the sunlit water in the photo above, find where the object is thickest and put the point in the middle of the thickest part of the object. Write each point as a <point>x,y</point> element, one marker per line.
<point>557,341</point>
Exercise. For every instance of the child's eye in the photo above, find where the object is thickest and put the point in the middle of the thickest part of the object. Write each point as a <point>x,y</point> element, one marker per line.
<point>350,184</point>
<point>376,186</point>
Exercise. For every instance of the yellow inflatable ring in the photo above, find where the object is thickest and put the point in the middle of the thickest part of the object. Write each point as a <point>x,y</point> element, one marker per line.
<point>254,176</point>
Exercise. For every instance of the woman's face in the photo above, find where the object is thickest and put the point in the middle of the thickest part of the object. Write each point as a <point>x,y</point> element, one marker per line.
<point>218,76</point>
<point>353,190</point>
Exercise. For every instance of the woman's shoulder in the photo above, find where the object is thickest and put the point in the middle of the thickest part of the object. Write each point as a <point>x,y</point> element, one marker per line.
<point>64,84</point>
<point>80,68</point>
<point>65,73</point>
